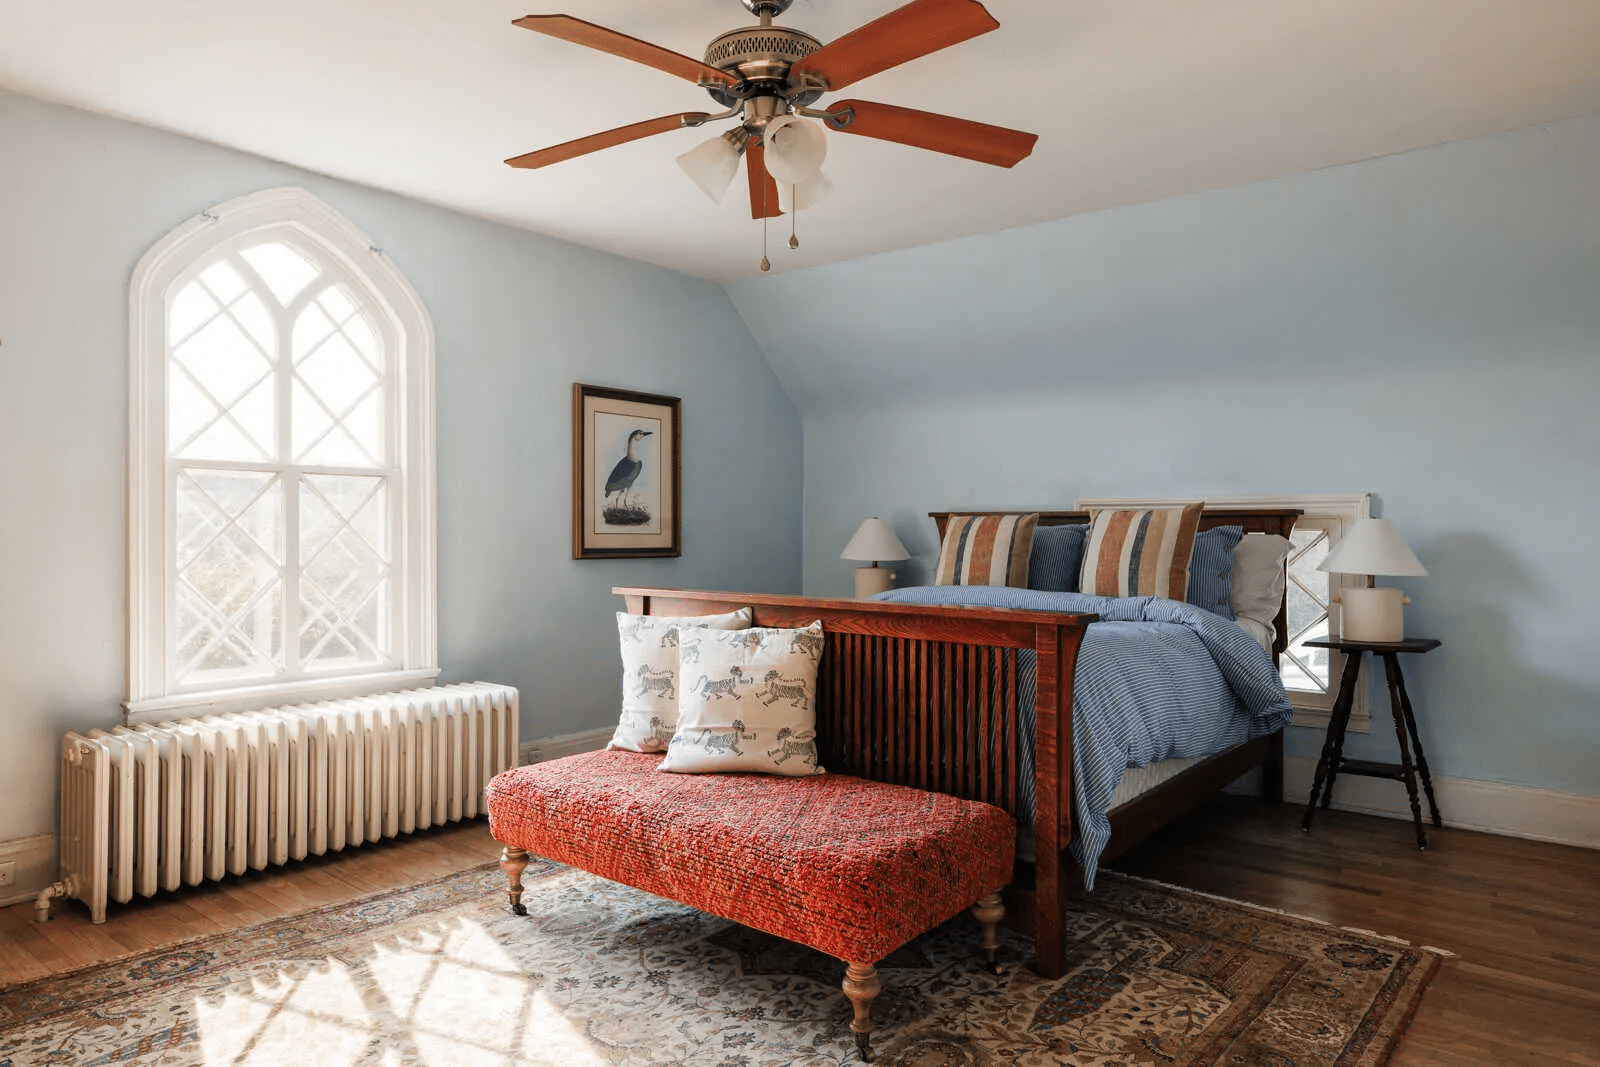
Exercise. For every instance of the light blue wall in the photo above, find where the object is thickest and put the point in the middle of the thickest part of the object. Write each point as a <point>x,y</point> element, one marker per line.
<point>1425,327</point>
<point>518,319</point>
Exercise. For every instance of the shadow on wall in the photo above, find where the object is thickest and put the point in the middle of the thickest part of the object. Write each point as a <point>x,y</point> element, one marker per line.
<point>1477,693</point>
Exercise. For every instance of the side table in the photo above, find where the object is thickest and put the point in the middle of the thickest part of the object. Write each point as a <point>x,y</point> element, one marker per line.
<point>1333,762</point>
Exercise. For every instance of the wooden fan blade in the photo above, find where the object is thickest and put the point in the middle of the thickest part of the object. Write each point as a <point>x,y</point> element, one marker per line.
<point>904,34</point>
<point>596,141</point>
<point>763,190</point>
<point>620,44</point>
<point>994,145</point>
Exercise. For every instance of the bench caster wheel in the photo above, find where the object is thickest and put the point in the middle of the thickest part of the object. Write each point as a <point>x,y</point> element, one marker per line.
<point>514,861</point>
<point>861,986</point>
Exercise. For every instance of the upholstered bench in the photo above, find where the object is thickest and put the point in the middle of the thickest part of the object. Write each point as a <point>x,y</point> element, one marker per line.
<point>850,867</point>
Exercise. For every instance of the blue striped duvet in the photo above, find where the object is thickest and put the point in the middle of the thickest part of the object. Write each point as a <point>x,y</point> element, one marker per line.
<point>1157,679</point>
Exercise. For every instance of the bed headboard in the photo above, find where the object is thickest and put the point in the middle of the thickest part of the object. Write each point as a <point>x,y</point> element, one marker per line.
<point>1254,520</point>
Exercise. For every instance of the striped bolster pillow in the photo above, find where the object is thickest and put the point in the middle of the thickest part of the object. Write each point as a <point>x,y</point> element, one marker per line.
<point>986,550</point>
<point>1140,551</point>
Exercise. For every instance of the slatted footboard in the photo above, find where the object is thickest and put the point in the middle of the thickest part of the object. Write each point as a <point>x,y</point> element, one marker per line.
<point>929,697</point>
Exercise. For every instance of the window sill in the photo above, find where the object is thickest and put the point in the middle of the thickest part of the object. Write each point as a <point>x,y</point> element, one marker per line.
<point>1317,719</point>
<point>188,705</point>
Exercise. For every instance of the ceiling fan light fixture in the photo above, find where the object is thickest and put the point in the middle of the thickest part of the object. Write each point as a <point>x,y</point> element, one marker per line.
<point>803,195</point>
<point>795,149</point>
<point>712,164</point>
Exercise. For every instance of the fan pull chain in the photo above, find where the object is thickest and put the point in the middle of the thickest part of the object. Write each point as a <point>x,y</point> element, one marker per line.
<point>794,214</point>
<point>766,264</point>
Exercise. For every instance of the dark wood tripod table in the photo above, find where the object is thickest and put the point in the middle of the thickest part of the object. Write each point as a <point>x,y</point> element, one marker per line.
<point>1333,763</point>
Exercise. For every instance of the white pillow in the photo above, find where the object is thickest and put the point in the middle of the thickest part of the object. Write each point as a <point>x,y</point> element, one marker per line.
<point>650,674</point>
<point>1256,589</point>
<point>752,705</point>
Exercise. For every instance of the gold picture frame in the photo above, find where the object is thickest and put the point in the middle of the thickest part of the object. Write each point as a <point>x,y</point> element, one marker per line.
<point>627,474</point>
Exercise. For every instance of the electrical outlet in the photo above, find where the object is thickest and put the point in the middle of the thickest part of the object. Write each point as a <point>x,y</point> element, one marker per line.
<point>8,872</point>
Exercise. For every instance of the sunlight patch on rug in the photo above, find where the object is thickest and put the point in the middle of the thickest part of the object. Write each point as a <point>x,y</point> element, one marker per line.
<point>599,973</point>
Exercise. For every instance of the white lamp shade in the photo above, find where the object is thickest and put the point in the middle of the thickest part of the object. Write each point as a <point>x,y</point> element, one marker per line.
<point>711,166</point>
<point>795,149</point>
<point>874,541</point>
<point>1372,546</point>
<point>800,197</point>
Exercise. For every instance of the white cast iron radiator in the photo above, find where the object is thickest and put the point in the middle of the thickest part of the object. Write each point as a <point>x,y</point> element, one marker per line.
<point>160,805</point>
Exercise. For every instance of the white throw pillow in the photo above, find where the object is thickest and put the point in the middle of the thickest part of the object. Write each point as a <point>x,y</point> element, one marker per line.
<point>650,674</point>
<point>1256,589</point>
<point>752,704</point>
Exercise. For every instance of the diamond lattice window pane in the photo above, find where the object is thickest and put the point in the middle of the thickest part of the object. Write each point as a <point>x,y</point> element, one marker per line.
<point>359,332</point>
<point>344,571</point>
<point>338,449</point>
<point>285,271</point>
<point>364,424</point>
<point>228,620</point>
<point>1303,668</point>
<point>225,282</point>
<point>191,309</point>
<point>337,374</point>
<point>189,410</point>
<point>223,372</point>
<point>338,391</point>
<point>312,327</point>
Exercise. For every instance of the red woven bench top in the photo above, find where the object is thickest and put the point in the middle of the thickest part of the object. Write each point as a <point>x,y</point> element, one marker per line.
<point>850,867</point>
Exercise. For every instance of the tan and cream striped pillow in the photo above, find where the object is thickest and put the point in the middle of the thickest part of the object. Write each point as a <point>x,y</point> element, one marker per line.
<point>986,550</point>
<point>1140,551</point>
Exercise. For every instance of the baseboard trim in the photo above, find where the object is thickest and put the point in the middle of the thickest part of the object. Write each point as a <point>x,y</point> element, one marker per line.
<point>35,858</point>
<point>549,748</point>
<point>1465,803</point>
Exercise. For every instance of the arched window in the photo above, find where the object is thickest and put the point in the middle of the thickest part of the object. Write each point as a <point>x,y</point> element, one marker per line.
<point>281,475</point>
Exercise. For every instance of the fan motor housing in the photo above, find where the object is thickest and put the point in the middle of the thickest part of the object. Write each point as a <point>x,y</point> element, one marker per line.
<point>760,57</point>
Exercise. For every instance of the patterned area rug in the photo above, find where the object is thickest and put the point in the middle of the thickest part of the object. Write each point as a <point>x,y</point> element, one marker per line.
<point>602,974</point>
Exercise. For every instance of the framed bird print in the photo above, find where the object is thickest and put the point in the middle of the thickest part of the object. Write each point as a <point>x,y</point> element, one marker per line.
<point>627,474</point>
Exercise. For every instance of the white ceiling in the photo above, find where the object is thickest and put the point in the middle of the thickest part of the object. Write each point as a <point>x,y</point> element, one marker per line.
<point>1133,100</point>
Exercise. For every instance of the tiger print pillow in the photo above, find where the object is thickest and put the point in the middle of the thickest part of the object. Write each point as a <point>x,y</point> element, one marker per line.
<point>650,674</point>
<point>748,701</point>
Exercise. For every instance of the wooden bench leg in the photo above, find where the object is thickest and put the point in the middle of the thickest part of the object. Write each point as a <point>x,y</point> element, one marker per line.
<point>989,911</point>
<point>513,861</point>
<point>861,985</point>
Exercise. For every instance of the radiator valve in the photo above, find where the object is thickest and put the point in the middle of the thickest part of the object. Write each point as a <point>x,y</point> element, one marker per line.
<point>41,904</point>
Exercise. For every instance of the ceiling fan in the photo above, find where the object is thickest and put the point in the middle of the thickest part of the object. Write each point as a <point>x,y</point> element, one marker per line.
<point>769,76</point>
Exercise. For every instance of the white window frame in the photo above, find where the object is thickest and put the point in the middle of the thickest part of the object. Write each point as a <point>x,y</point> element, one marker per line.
<point>1339,511</point>
<point>403,322</point>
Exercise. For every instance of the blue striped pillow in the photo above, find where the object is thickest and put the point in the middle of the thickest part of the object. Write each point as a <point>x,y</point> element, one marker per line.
<point>1211,569</point>
<point>1056,557</point>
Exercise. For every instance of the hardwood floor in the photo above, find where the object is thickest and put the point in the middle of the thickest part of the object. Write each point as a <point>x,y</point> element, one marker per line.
<point>1524,987</point>
<point>68,941</point>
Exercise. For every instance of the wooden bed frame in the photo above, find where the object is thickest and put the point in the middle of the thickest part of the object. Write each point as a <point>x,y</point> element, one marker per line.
<point>927,696</point>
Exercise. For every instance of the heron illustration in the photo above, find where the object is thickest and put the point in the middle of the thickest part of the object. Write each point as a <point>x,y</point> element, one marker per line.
<point>626,472</point>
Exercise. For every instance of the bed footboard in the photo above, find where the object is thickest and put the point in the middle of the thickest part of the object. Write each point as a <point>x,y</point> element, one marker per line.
<point>927,696</point>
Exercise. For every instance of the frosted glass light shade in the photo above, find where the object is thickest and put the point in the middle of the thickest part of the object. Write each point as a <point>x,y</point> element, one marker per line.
<point>793,198</point>
<point>711,166</point>
<point>874,541</point>
<point>1373,547</point>
<point>795,149</point>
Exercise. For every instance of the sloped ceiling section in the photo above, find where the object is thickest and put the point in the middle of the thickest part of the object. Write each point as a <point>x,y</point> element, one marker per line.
<point>1483,251</point>
<point>1134,100</point>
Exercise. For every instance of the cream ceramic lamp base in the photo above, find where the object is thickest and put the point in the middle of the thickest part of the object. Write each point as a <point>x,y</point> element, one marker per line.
<point>1372,614</point>
<point>870,580</point>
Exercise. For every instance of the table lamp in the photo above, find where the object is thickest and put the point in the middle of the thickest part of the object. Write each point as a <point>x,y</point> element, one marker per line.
<point>1372,547</point>
<point>874,542</point>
